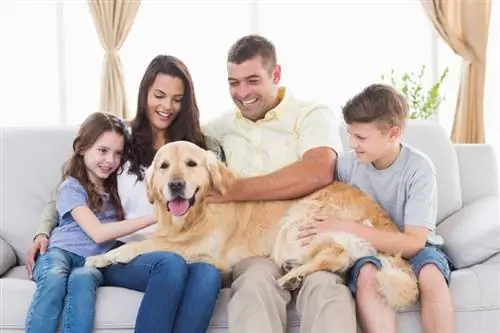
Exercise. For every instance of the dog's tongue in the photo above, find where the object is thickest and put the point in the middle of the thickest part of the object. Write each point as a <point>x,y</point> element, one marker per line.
<point>178,207</point>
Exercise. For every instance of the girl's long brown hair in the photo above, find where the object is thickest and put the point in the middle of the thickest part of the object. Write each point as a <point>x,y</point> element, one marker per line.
<point>92,128</point>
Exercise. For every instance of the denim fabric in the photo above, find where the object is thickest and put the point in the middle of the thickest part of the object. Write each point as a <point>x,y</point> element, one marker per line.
<point>62,283</point>
<point>178,297</point>
<point>430,254</point>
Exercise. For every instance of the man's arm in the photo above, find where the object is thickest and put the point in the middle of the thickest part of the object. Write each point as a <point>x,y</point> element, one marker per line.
<point>319,140</point>
<point>313,171</point>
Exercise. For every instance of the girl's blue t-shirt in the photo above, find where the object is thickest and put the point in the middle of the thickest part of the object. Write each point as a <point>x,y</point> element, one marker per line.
<point>68,235</point>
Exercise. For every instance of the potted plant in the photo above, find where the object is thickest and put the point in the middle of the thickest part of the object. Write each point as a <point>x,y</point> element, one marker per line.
<point>424,103</point>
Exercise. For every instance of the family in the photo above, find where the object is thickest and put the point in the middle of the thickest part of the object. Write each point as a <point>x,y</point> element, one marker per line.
<point>282,148</point>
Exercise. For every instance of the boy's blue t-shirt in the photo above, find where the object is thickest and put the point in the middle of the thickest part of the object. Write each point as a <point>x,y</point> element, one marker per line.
<point>406,190</point>
<point>68,235</point>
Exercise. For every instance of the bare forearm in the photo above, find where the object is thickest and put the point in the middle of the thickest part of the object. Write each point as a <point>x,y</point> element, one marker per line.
<point>290,182</point>
<point>390,242</point>
<point>110,231</point>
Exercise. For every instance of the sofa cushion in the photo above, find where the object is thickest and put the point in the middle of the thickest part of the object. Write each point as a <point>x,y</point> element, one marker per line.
<point>32,160</point>
<point>7,257</point>
<point>472,235</point>
<point>430,138</point>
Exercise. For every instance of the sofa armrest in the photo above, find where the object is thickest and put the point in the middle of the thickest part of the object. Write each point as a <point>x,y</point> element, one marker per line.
<point>472,234</point>
<point>7,257</point>
<point>478,171</point>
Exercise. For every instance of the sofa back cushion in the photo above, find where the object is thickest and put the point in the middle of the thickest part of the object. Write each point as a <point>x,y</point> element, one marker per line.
<point>32,160</point>
<point>430,138</point>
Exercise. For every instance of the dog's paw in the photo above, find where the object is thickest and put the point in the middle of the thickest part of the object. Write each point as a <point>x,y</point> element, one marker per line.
<point>290,282</point>
<point>288,265</point>
<point>97,261</point>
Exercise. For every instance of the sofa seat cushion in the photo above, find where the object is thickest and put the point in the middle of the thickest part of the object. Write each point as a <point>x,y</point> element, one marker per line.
<point>472,235</point>
<point>473,289</point>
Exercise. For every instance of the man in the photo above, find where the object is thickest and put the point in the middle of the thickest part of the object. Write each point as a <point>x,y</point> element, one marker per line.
<point>282,148</point>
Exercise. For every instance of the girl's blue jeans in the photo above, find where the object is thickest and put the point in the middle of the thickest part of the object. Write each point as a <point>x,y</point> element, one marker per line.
<point>64,285</point>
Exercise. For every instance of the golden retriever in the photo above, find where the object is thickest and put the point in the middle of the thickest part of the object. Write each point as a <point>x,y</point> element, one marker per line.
<point>178,182</point>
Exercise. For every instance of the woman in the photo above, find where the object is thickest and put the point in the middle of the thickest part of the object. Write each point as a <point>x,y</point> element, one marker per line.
<point>178,297</point>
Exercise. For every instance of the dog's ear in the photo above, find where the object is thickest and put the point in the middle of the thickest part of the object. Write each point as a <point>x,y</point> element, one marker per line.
<point>149,176</point>
<point>220,176</point>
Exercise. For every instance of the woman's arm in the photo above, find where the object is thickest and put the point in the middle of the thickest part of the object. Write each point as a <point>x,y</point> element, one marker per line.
<point>49,218</point>
<point>103,232</point>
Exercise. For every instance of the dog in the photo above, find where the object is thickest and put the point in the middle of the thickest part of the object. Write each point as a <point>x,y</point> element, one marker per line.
<point>178,182</point>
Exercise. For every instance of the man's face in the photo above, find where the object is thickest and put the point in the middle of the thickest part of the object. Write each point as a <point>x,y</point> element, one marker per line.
<point>370,142</point>
<point>253,87</point>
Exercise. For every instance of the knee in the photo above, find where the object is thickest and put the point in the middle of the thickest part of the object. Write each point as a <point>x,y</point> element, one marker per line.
<point>259,276</point>
<point>205,275</point>
<point>85,276</point>
<point>430,279</point>
<point>367,277</point>
<point>170,264</point>
<point>326,279</point>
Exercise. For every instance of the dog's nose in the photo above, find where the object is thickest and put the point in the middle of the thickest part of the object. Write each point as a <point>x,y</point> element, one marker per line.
<point>176,186</point>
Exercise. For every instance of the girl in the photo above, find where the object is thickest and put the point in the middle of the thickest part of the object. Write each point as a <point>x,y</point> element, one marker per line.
<point>87,203</point>
<point>178,297</point>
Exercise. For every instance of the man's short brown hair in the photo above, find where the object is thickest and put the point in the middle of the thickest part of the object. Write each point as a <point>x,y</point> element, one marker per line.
<point>250,46</point>
<point>378,103</point>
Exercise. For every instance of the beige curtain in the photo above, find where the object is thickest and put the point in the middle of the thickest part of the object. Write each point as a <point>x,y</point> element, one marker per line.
<point>464,25</point>
<point>113,20</point>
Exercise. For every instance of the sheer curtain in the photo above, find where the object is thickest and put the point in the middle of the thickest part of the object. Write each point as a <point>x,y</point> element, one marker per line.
<point>492,88</point>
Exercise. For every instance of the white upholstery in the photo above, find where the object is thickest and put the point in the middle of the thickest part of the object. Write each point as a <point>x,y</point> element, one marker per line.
<point>31,160</point>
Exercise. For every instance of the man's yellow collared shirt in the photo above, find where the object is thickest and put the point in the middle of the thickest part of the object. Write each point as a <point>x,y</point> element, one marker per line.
<point>281,138</point>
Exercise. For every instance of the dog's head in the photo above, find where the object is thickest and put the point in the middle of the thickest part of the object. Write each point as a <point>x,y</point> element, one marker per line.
<point>182,174</point>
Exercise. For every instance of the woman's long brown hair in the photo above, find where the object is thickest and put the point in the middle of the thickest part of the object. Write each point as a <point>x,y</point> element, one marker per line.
<point>92,128</point>
<point>186,125</point>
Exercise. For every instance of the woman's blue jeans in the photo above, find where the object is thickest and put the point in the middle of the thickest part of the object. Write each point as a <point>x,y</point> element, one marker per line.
<point>178,297</point>
<point>63,284</point>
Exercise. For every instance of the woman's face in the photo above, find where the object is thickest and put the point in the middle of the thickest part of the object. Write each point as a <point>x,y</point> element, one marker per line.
<point>164,100</point>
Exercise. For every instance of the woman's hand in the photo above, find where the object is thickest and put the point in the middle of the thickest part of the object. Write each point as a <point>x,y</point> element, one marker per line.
<point>40,245</point>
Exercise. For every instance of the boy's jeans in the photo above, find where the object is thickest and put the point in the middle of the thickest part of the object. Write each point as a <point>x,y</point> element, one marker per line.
<point>62,283</point>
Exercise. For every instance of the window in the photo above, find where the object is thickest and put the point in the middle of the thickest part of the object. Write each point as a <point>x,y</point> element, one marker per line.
<point>330,51</point>
<point>84,58</point>
<point>30,80</point>
<point>200,35</point>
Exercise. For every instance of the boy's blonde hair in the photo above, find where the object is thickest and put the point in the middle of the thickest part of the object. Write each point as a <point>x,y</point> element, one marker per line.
<point>377,103</point>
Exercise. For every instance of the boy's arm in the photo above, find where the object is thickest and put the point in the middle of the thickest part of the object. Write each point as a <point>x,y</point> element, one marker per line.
<point>319,142</point>
<point>420,217</point>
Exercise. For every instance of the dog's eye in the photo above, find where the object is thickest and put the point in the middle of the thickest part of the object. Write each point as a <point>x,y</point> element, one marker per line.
<point>191,163</point>
<point>164,165</point>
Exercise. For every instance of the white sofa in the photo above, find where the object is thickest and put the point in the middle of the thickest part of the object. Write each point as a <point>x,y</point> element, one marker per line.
<point>467,176</point>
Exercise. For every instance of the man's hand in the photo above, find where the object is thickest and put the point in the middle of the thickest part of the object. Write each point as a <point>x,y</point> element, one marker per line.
<point>229,195</point>
<point>321,224</point>
<point>216,197</point>
<point>40,244</point>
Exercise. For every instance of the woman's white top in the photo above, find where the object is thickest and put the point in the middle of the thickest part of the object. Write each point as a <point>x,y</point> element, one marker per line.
<point>134,199</point>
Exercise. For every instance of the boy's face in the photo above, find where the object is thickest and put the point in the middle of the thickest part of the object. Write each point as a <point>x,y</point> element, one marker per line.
<point>371,141</point>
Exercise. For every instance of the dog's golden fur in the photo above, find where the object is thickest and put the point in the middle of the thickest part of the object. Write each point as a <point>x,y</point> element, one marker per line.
<point>225,234</point>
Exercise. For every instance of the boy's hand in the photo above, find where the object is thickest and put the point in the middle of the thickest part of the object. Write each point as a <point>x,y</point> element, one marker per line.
<point>321,224</point>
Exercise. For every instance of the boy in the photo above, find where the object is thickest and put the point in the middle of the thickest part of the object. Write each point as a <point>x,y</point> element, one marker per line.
<point>403,181</point>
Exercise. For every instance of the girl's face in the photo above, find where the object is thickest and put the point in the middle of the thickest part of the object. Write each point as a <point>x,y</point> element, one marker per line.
<point>164,101</point>
<point>104,156</point>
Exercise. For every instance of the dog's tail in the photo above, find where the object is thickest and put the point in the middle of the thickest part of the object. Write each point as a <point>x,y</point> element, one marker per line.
<point>396,281</point>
